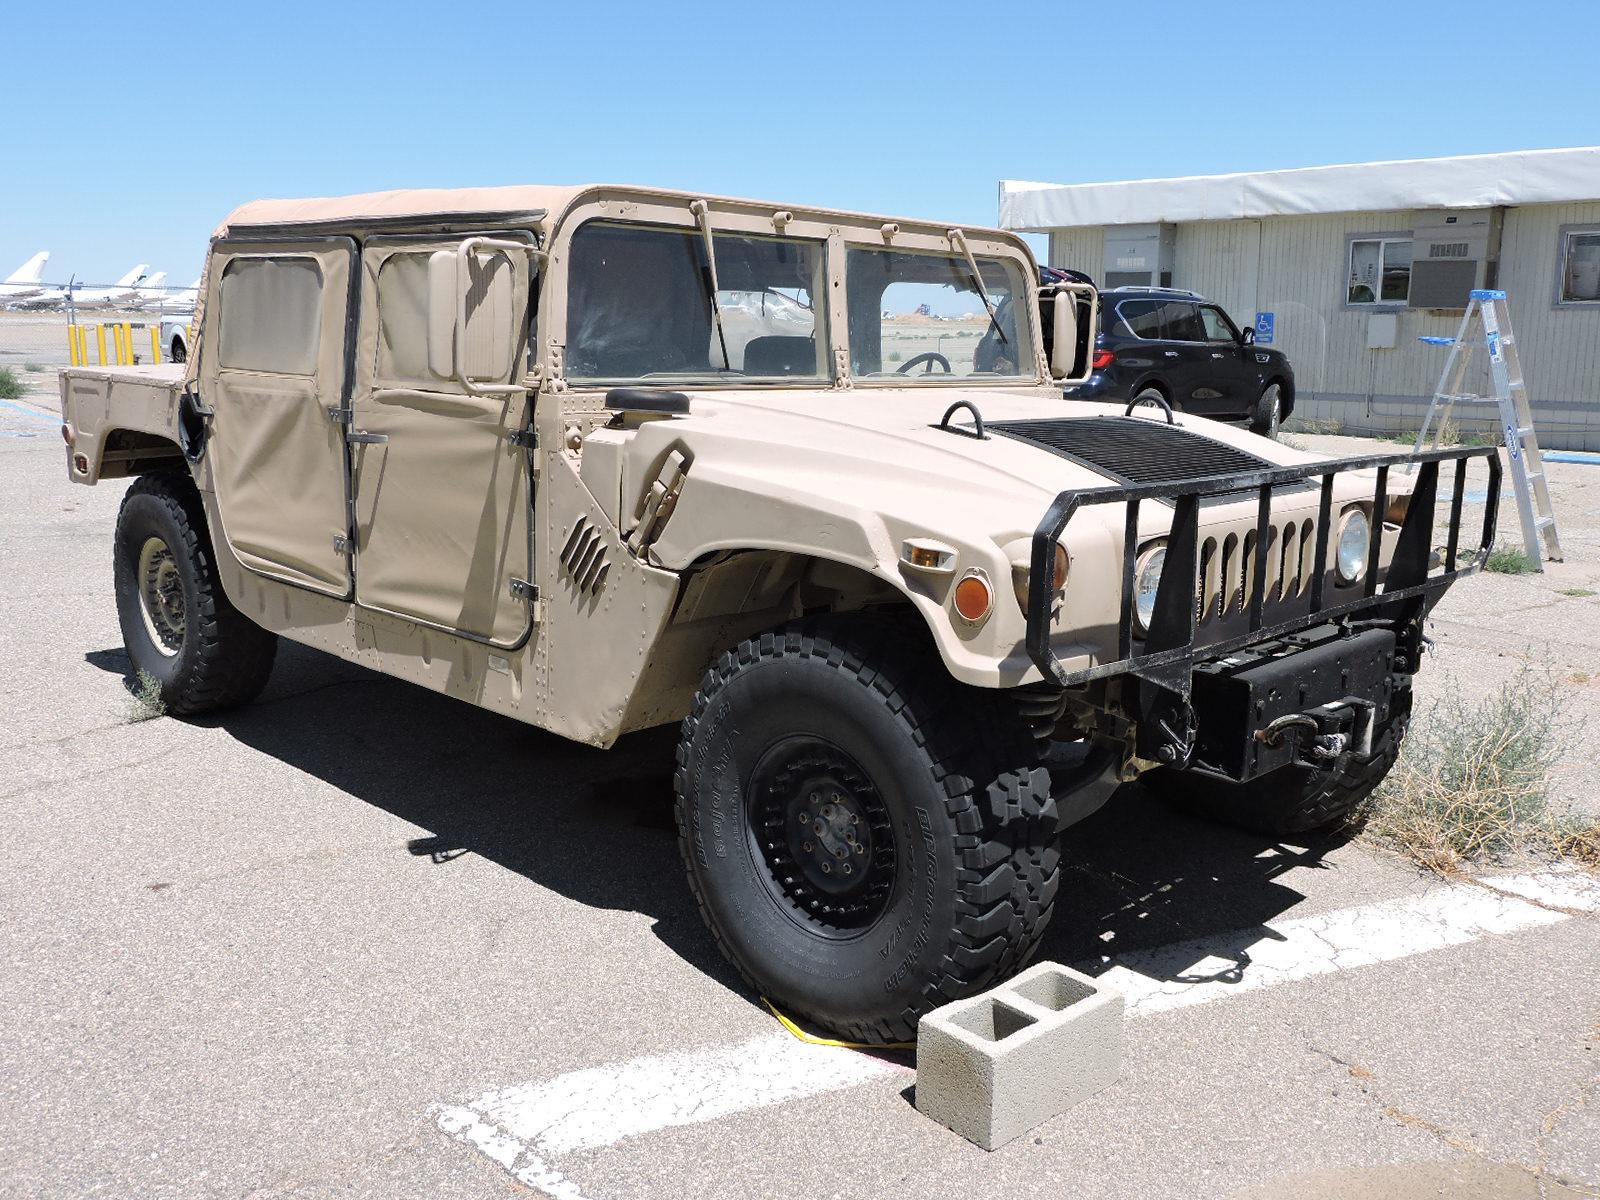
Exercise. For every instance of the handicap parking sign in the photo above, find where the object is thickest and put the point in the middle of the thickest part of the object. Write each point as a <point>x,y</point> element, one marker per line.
<point>1266,325</point>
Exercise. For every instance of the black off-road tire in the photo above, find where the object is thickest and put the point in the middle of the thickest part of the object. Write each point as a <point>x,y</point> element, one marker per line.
<point>956,777</point>
<point>1268,414</point>
<point>218,658</point>
<point>1292,800</point>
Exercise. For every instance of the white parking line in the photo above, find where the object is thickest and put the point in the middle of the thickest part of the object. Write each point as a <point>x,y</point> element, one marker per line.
<point>525,1128</point>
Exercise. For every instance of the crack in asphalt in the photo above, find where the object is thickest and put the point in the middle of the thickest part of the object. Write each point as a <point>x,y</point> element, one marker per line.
<point>1367,1081</point>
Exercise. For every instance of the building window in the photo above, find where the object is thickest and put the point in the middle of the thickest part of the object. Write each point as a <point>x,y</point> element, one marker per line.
<point>1380,271</point>
<point>1580,267</point>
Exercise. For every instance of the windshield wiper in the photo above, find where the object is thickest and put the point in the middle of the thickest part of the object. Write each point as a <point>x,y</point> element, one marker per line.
<point>959,241</point>
<point>702,215</point>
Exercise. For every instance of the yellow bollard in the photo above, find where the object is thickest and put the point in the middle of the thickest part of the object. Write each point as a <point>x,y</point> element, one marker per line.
<point>155,345</point>
<point>127,343</point>
<point>100,337</point>
<point>72,345</point>
<point>81,339</point>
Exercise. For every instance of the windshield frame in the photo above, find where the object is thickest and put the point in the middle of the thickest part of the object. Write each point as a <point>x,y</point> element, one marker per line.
<point>838,231</point>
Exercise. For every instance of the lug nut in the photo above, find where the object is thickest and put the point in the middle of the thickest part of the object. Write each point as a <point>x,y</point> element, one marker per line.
<point>846,868</point>
<point>826,868</point>
<point>806,846</point>
<point>804,817</point>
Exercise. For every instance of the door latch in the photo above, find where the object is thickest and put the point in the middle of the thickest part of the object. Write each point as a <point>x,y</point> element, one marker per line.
<point>341,544</point>
<point>528,439</point>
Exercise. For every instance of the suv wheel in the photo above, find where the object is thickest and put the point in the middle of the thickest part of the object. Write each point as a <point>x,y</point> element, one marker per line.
<point>178,352</point>
<point>866,839</point>
<point>177,623</point>
<point>1269,412</point>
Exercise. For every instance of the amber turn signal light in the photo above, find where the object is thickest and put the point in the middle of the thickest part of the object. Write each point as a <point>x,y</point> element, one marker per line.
<point>973,598</point>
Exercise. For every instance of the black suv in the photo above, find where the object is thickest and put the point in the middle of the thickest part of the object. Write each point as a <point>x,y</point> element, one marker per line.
<point>1179,346</point>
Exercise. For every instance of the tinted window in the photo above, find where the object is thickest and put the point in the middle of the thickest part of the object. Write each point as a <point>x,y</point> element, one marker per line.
<point>1142,318</point>
<point>1217,327</point>
<point>1180,322</point>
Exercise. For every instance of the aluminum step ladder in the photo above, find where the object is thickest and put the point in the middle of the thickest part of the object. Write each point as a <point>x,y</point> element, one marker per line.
<point>1487,322</point>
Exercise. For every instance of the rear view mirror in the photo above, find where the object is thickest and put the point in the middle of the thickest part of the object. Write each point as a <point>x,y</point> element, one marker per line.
<point>1248,336</point>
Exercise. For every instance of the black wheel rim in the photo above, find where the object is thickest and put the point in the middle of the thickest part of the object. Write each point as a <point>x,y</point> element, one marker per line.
<point>823,833</point>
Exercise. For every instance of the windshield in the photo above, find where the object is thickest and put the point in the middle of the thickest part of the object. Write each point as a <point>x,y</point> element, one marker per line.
<point>920,318</point>
<point>639,306</point>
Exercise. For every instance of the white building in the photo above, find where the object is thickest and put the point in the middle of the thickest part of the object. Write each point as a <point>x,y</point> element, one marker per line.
<point>1345,267</point>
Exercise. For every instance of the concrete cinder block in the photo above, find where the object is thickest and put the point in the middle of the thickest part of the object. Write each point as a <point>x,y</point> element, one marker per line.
<point>993,1066</point>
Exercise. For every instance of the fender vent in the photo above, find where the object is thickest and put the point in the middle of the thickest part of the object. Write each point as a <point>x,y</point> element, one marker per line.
<point>584,557</point>
<point>1133,449</point>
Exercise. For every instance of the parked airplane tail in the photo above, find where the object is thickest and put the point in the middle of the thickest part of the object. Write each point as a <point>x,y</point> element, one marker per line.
<point>31,271</point>
<point>133,276</point>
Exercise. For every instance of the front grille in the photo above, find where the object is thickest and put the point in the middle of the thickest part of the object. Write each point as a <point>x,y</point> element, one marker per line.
<point>1224,585</point>
<point>1133,449</point>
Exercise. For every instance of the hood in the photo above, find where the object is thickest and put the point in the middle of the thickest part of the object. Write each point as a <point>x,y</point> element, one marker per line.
<point>879,450</point>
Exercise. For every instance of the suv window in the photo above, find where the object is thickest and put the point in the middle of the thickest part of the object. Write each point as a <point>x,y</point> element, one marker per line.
<point>1218,327</point>
<point>1180,322</point>
<point>1142,318</point>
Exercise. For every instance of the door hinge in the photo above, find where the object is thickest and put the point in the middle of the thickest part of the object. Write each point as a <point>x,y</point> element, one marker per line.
<point>341,544</point>
<point>339,416</point>
<point>528,439</point>
<point>521,589</point>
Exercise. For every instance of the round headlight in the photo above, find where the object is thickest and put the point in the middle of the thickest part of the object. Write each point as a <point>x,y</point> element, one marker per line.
<point>1354,537</point>
<point>1146,579</point>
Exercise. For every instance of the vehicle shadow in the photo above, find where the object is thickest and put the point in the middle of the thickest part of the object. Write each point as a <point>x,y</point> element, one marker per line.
<point>597,826</point>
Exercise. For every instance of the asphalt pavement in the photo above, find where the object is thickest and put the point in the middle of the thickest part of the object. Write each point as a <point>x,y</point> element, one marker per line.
<point>226,972</point>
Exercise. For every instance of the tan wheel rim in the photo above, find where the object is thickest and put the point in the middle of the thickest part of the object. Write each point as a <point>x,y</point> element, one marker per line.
<point>161,596</point>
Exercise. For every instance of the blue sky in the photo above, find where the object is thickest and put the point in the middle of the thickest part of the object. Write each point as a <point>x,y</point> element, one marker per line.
<point>128,131</point>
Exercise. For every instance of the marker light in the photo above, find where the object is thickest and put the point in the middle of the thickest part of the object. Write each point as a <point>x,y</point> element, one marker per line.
<point>1102,359</point>
<point>973,598</point>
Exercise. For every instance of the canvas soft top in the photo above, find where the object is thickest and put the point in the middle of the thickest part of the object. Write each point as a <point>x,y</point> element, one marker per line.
<point>404,204</point>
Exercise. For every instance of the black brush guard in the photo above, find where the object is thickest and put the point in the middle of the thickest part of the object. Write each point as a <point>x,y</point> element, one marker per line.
<point>1167,654</point>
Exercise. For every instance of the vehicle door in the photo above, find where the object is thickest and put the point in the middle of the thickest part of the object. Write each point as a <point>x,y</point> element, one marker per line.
<point>440,473</point>
<point>1148,355</point>
<point>272,367</point>
<point>1184,347</point>
<point>1231,367</point>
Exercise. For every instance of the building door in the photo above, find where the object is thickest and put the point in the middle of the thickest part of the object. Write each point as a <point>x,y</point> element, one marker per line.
<point>272,368</point>
<point>442,490</point>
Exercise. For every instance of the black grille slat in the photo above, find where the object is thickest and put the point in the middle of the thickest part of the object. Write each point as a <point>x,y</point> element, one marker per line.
<point>1132,449</point>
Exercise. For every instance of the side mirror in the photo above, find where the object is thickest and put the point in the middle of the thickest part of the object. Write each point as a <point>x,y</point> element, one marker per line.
<point>1064,335</point>
<point>442,313</point>
<point>1248,337</point>
<point>469,347</point>
<point>1064,364</point>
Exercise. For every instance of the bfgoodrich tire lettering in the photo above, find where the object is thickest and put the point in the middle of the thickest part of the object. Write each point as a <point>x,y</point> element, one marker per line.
<point>204,653</point>
<point>951,772</point>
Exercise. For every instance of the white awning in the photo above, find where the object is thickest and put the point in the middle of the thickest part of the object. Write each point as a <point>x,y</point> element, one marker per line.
<point>1470,181</point>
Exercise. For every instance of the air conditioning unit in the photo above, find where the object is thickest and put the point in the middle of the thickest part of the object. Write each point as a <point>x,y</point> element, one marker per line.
<point>1139,255</point>
<point>1452,252</point>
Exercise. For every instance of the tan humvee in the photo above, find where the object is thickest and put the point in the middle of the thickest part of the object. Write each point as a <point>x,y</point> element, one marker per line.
<point>600,458</point>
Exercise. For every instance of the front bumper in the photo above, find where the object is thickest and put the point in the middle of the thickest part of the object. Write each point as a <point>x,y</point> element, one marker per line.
<point>1166,656</point>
